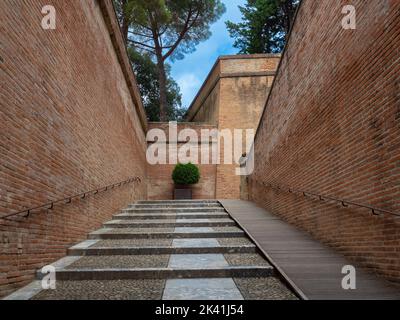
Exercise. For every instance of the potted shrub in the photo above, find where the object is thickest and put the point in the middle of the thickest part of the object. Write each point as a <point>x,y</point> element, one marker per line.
<point>184,176</point>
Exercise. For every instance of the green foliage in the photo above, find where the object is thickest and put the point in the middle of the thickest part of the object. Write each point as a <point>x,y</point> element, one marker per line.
<point>147,78</point>
<point>180,24</point>
<point>200,14</point>
<point>166,29</point>
<point>186,174</point>
<point>264,27</point>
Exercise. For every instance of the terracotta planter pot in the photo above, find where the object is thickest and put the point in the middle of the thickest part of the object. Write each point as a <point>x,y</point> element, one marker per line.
<point>183,192</point>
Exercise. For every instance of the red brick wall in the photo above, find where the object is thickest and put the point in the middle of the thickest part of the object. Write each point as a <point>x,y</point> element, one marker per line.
<point>161,186</point>
<point>68,124</point>
<point>332,126</point>
<point>233,97</point>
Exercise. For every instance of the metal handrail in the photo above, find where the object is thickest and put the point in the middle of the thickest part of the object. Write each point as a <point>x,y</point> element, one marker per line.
<point>321,197</point>
<point>68,200</point>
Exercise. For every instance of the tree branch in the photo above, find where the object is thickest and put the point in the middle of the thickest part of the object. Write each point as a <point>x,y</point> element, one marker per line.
<point>140,34</point>
<point>182,34</point>
<point>145,47</point>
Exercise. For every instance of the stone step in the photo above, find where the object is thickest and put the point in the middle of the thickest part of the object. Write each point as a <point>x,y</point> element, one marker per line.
<point>162,273</point>
<point>148,216</point>
<point>148,247</point>
<point>174,210</point>
<point>121,251</point>
<point>173,205</point>
<point>170,223</point>
<point>109,234</point>
<point>176,202</point>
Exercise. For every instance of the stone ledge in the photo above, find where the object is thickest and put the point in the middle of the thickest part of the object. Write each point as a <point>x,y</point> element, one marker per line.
<point>162,273</point>
<point>160,250</point>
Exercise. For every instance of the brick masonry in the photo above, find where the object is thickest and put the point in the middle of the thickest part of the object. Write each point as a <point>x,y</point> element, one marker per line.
<point>70,121</point>
<point>233,97</point>
<point>332,126</point>
<point>161,186</point>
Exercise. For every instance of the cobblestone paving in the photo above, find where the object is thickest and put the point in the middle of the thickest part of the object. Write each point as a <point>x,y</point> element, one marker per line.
<point>234,241</point>
<point>270,288</point>
<point>226,229</point>
<point>246,259</point>
<point>141,221</point>
<point>105,290</point>
<point>133,243</point>
<point>134,261</point>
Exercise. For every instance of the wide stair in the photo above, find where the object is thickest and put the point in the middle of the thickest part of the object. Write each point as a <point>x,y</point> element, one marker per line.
<point>169,250</point>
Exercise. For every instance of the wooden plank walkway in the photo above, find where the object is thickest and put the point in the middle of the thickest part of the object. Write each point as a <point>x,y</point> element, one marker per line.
<point>311,267</point>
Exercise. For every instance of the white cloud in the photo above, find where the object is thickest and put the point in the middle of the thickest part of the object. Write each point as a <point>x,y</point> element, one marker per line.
<point>194,68</point>
<point>189,84</point>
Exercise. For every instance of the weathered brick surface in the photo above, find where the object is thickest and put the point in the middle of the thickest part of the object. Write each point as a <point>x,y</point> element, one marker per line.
<point>233,97</point>
<point>332,126</point>
<point>68,123</point>
<point>161,186</point>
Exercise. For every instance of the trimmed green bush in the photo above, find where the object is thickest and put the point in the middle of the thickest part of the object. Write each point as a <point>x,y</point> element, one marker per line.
<point>186,174</point>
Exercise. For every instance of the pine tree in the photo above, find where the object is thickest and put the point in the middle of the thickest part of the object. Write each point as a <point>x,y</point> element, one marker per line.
<point>264,27</point>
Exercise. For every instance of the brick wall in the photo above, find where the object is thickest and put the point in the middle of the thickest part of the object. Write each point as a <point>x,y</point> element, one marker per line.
<point>233,97</point>
<point>161,186</point>
<point>332,126</point>
<point>70,121</point>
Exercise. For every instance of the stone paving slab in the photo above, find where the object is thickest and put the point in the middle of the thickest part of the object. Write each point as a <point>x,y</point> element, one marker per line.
<point>26,292</point>
<point>105,290</point>
<point>194,229</point>
<point>197,261</point>
<point>201,220</point>
<point>85,244</point>
<point>195,243</point>
<point>201,289</point>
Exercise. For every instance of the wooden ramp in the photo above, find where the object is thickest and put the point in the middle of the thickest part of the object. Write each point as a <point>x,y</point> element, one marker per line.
<point>312,268</point>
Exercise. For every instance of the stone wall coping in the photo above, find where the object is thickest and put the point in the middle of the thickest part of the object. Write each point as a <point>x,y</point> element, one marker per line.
<point>110,18</point>
<point>199,124</point>
<point>250,56</point>
<point>193,109</point>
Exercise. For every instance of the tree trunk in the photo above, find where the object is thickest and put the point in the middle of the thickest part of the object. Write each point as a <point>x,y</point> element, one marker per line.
<point>125,22</point>
<point>289,12</point>
<point>125,29</point>
<point>162,78</point>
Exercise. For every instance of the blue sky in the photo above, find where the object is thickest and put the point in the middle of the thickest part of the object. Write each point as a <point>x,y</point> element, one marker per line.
<point>194,68</point>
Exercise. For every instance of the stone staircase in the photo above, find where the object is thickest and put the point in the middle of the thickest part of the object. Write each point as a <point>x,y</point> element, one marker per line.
<point>167,250</point>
